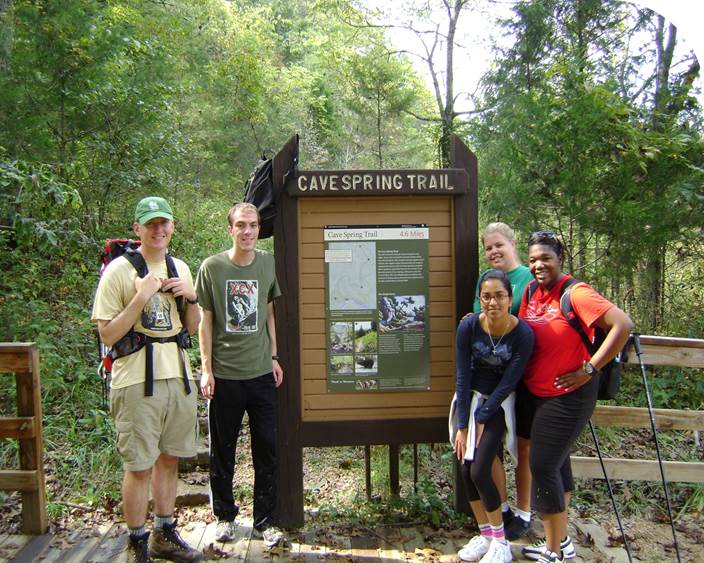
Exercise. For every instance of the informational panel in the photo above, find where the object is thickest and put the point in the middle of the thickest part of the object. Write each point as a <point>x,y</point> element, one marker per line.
<point>376,308</point>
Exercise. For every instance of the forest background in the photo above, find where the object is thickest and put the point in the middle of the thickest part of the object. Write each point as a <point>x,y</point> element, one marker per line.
<point>588,123</point>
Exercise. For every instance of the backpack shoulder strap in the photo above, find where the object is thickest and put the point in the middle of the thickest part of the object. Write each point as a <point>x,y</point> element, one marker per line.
<point>138,263</point>
<point>137,260</point>
<point>171,270</point>
<point>530,290</point>
<point>568,311</point>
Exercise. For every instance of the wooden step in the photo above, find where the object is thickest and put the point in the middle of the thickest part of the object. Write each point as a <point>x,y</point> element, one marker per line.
<point>192,494</point>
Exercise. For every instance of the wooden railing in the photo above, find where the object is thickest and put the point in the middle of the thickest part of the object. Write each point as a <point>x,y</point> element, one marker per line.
<point>655,351</point>
<point>23,360</point>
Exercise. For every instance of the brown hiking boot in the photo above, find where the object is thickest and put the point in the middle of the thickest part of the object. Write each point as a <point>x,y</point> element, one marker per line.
<point>168,544</point>
<point>138,550</point>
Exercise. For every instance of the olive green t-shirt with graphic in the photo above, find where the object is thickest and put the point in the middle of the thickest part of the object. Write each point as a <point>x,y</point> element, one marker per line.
<point>238,297</point>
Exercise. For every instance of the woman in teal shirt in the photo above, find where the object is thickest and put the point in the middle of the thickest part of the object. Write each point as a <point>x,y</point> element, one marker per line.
<point>499,244</point>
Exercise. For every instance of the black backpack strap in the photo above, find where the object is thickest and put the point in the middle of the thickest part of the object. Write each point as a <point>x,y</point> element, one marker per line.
<point>172,272</point>
<point>530,290</point>
<point>138,262</point>
<point>570,315</point>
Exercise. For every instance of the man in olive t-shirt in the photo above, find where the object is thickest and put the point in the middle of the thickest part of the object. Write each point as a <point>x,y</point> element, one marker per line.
<point>241,371</point>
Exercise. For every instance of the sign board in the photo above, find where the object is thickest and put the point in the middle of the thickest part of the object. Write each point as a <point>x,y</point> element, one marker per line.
<point>377,307</point>
<point>335,228</point>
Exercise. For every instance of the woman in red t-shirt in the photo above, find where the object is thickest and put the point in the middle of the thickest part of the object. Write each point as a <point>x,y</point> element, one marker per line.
<point>561,381</point>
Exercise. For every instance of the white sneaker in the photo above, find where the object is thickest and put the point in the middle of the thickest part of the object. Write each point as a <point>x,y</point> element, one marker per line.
<point>474,549</point>
<point>533,552</point>
<point>271,536</point>
<point>551,557</point>
<point>225,530</point>
<point>499,552</point>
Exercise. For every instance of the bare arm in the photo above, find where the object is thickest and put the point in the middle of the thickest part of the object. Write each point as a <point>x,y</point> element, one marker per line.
<point>617,325</point>
<point>271,327</point>
<point>191,317</point>
<point>205,338</point>
<point>111,331</point>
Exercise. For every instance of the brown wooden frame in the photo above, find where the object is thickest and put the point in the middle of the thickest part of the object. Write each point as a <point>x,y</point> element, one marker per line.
<point>295,434</point>
<point>22,359</point>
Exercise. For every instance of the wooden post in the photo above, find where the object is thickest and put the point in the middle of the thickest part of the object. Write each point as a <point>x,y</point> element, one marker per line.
<point>368,471</point>
<point>466,262</point>
<point>415,468</point>
<point>394,481</point>
<point>289,448</point>
<point>23,360</point>
<point>466,216</point>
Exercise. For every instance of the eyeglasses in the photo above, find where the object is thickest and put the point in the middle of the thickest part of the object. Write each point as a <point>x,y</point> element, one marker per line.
<point>487,297</point>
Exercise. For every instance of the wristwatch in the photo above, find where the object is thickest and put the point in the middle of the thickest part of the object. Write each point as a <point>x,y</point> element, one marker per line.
<point>275,358</point>
<point>192,301</point>
<point>589,369</point>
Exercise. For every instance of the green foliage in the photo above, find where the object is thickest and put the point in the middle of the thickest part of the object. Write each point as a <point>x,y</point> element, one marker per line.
<point>670,388</point>
<point>426,503</point>
<point>104,102</point>
<point>574,143</point>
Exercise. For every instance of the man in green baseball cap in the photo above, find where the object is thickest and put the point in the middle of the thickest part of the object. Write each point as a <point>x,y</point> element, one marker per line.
<point>149,297</point>
<point>152,207</point>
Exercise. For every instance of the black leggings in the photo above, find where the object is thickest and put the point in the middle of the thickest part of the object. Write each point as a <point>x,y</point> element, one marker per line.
<point>557,423</point>
<point>476,474</point>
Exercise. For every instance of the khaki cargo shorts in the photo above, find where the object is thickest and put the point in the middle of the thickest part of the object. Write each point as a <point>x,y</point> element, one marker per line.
<point>148,426</point>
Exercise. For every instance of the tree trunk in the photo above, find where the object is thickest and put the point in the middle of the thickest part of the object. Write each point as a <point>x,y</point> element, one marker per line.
<point>378,130</point>
<point>447,110</point>
<point>5,35</point>
<point>654,268</point>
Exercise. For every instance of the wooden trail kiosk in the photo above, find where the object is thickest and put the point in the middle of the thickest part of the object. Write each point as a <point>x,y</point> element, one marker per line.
<point>22,360</point>
<point>320,211</point>
<point>391,399</point>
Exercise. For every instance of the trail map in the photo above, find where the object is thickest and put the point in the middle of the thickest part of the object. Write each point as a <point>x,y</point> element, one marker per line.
<point>377,308</point>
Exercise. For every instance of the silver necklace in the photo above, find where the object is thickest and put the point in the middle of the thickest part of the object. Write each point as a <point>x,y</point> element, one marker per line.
<point>494,345</point>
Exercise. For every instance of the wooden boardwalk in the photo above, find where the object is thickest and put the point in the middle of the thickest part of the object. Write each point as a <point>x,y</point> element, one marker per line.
<point>335,543</point>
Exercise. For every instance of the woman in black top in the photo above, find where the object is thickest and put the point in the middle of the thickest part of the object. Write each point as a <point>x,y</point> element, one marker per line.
<point>493,348</point>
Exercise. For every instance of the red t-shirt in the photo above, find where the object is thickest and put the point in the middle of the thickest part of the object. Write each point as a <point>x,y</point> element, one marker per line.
<point>558,347</point>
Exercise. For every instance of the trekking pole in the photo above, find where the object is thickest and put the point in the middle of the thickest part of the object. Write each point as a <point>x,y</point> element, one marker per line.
<point>611,493</point>
<point>636,345</point>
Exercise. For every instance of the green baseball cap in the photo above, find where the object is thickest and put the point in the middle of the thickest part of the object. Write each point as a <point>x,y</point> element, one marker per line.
<point>151,207</point>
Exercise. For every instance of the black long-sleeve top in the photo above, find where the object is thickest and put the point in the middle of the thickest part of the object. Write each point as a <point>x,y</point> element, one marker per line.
<point>480,369</point>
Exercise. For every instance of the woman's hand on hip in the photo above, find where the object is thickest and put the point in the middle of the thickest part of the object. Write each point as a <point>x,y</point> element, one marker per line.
<point>572,380</point>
